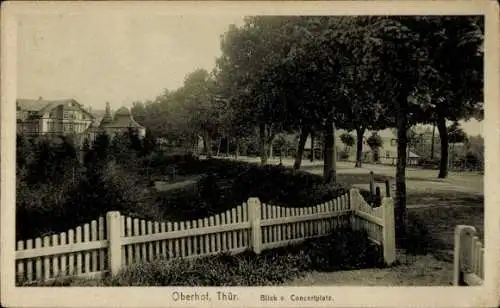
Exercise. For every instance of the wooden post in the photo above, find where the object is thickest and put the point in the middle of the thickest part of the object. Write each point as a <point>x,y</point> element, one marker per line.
<point>372,184</point>
<point>387,188</point>
<point>461,233</point>
<point>378,197</point>
<point>353,206</point>
<point>114,241</point>
<point>389,238</point>
<point>254,218</point>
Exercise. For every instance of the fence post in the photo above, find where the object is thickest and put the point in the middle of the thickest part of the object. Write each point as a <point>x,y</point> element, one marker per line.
<point>353,205</point>
<point>387,188</point>
<point>459,252</point>
<point>114,241</point>
<point>372,184</point>
<point>389,238</point>
<point>254,218</point>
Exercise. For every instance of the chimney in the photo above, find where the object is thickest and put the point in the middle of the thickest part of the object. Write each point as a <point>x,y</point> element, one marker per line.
<point>108,109</point>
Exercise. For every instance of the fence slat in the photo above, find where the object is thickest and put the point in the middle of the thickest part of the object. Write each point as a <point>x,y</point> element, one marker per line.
<point>137,252</point>
<point>156,228</point>
<point>288,213</point>
<point>71,256</point>
<point>211,223</point>
<point>20,263</point>
<point>86,238</point>
<point>38,262</point>
<point>150,244</point>
<point>217,238</point>
<point>189,243</point>
<point>55,258</point>
<point>29,263</point>
<point>277,228</point>
<point>234,233</point>
<point>245,219</point>
<point>123,251</point>
<point>196,249</point>
<point>239,218</point>
<point>206,236</point>
<point>481,263</point>
<point>183,240</point>
<point>102,253</point>
<point>223,235</point>
<point>163,248</point>
<point>78,239</point>
<point>128,248</point>
<point>46,259</point>
<point>200,239</point>
<point>176,241</point>
<point>476,255</point>
<point>144,248</point>
<point>93,235</point>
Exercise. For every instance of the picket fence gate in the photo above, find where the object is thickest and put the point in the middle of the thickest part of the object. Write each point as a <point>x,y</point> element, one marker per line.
<point>110,243</point>
<point>468,257</point>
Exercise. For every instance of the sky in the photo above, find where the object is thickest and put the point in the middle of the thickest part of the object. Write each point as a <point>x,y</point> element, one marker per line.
<point>119,58</point>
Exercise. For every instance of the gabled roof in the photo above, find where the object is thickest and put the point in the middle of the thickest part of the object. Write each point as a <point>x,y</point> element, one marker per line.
<point>122,119</point>
<point>41,106</point>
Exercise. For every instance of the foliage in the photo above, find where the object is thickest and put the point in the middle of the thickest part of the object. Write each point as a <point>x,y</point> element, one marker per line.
<point>347,139</point>
<point>229,183</point>
<point>374,141</point>
<point>456,134</point>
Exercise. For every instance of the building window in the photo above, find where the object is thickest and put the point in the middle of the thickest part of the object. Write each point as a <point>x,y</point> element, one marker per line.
<point>393,142</point>
<point>51,126</point>
<point>387,154</point>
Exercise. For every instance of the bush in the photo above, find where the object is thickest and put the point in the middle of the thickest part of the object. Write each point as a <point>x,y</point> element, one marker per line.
<point>344,155</point>
<point>428,162</point>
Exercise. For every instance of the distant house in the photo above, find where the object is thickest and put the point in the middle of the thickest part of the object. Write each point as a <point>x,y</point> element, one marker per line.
<point>122,121</point>
<point>388,151</point>
<point>51,117</point>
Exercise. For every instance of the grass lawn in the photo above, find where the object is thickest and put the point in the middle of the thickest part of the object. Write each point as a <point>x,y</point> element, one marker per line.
<point>446,210</point>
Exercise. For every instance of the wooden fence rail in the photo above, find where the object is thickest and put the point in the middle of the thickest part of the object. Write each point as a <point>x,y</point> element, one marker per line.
<point>468,257</point>
<point>109,243</point>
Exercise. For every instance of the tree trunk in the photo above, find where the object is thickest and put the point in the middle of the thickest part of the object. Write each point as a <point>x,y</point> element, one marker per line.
<point>227,146</point>
<point>400,205</point>
<point>329,155</point>
<point>263,144</point>
<point>432,144</point>
<point>271,150</point>
<point>237,151</point>
<point>218,147</point>
<point>334,163</point>
<point>208,145</point>
<point>300,150</point>
<point>443,136</point>
<point>312,146</point>
<point>359,146</point>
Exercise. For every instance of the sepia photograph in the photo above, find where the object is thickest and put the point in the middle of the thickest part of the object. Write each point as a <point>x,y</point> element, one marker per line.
<point>156,147</point>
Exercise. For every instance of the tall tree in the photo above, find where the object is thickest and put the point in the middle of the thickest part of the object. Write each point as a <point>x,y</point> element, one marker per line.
<point>454,83</point>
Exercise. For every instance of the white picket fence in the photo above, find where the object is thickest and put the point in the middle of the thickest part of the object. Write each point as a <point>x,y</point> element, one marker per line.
<point>468,257</point>
<point>112,242</point>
